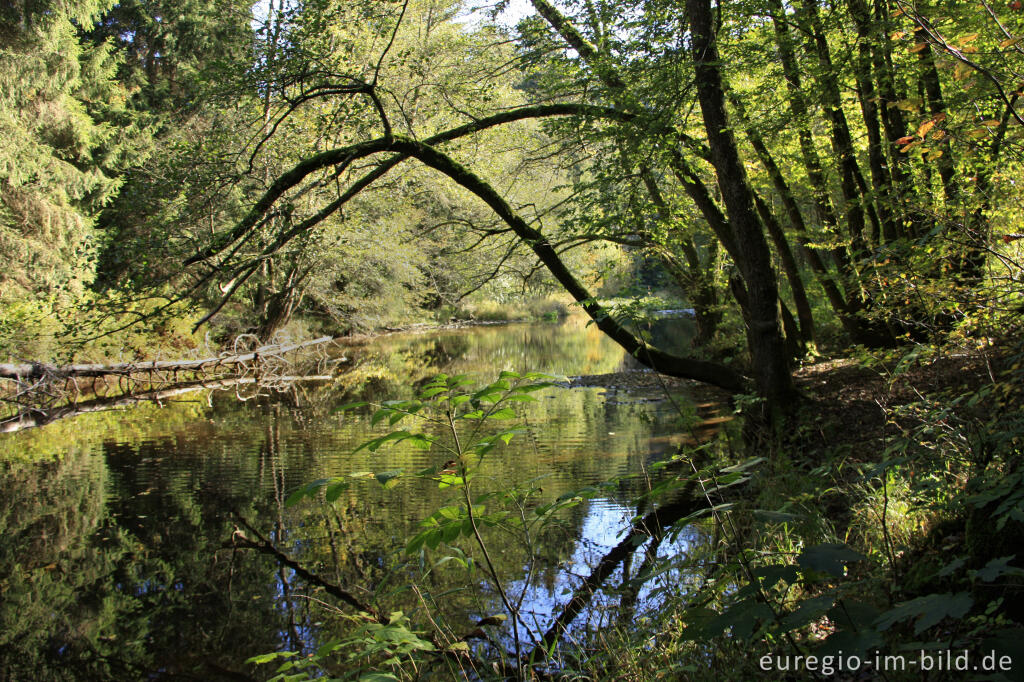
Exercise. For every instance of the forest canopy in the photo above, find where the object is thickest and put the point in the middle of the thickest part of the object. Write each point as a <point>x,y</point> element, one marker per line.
<point>798,174</point>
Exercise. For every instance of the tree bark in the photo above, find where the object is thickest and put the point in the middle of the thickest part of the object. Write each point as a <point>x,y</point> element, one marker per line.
<point>881,178</point>
<point>771,365</point>
<point>842,142</point>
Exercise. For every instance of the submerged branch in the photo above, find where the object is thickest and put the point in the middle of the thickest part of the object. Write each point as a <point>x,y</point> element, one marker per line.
<point>265,546</point>
<point>651,526</point>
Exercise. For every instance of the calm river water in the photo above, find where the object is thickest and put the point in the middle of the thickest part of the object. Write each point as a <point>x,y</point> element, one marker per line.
<point>113,562</point>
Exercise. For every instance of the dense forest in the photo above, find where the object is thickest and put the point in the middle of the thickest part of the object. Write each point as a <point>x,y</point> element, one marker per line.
<point>834,188</point>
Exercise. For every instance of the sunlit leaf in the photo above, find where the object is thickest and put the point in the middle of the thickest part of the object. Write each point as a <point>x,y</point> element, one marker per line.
<point>388,479</point>
<point>503,413</point>
<point>431,392</point>
<point>334,491</point>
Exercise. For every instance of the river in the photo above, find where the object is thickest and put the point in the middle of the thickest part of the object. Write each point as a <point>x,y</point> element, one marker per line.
<point>115,564</point>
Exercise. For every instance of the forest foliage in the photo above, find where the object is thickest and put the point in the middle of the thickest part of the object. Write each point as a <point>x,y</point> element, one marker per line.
<point>816,173</point>
<point>811,176</point>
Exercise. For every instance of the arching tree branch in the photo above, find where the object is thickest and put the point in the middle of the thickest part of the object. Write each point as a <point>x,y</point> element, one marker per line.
<point>688,368</point>
<point>343,156</point>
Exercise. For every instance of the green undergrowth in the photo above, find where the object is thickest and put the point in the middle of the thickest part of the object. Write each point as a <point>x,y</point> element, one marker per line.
<point>887,545</point>
<point>878,536</point>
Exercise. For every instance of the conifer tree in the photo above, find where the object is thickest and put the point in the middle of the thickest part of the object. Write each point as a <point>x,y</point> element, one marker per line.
<point>66,134</point>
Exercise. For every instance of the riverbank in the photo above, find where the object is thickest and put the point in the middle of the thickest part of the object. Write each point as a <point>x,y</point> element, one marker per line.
<point>887,517</point>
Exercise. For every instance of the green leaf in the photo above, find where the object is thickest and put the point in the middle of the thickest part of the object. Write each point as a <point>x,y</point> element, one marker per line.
<point>451,512</point>
<point>928,611</point>
<point>307,490</point>
<point>506,436</point>
<point>530,388</point>
<point>450,481</point>
<point>487,396</point>
<point>431,392</point>
<point>519,398</point>
<point>828,558</point>
<point>451,531</point>
<point>808,612</point>
<point>416,543</point>
<point>328,648</point>
<point>851,642</point>
<point>334,491</point>
<point>388,479</point>
<point>743,618</point>
<point>771,575</point>
<point>421,441</point>
<point>998,567</point>
<point>951,568</point>
<point>743,466</point>
<point>267,658</point>
<point>776,517</point>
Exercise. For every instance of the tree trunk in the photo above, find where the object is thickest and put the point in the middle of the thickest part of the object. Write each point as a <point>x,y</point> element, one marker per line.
<point>842,142</point>
<point>771,366</point>
<point>881,179</point>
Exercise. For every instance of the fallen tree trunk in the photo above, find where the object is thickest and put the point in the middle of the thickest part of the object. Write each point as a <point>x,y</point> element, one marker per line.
<point>37,370</point>
<point>34,418</point>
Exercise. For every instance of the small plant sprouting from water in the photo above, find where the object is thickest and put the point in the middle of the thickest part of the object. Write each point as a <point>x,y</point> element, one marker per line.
<point>463,427</point>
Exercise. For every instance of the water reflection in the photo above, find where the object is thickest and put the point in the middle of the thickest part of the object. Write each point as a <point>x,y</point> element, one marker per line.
<point>113,562</point>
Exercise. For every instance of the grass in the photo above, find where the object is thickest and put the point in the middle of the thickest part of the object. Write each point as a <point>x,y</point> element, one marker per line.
<point>537,309</point>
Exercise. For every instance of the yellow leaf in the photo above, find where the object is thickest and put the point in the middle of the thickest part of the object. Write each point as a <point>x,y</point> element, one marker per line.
<point>977,132</point>
<point>969,38</point>
<point>912,104</point>
<point>992,123</point>
<point>932,155</point>
<point>918,47</point>
<point>924,128</point>
<point>1010,42</point>
<point>961,71</point>
<point>896,35</point>
<point>938,135</point>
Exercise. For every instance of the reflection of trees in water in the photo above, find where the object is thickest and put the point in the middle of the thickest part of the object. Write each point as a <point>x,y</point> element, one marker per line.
<point>56,610</point>
<point>672,335</point>
<point>87,595</point>
<point>146,585</point>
